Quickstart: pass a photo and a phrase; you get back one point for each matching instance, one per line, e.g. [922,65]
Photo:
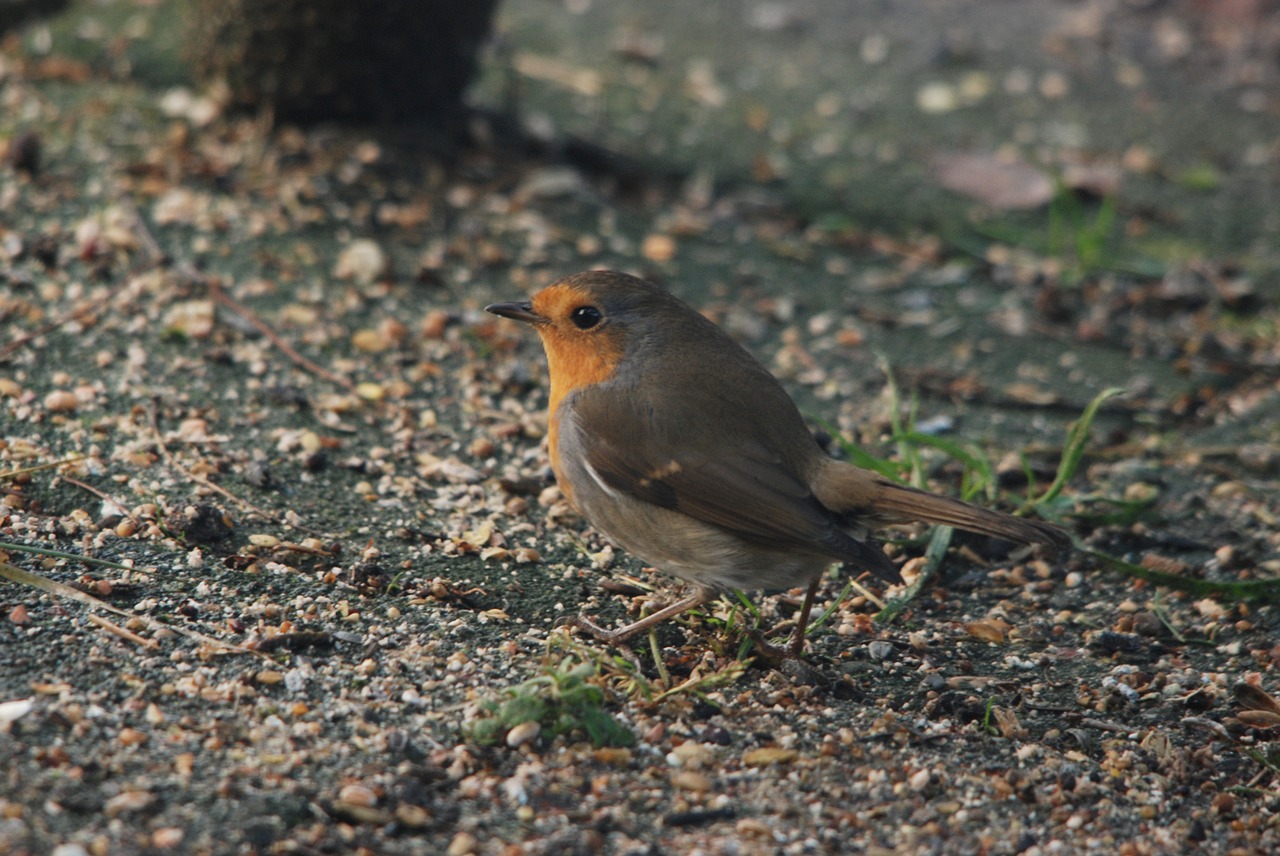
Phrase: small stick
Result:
[219,294]
[1104,725]
[291,547]
[198,479]
[20,342]
[18,575]
[102,495]
[8,474]
[123,633]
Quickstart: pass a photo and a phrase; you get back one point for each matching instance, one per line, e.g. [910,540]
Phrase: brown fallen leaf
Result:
[999,180]
[1259,718]
[1026,393]
[988,630]
[1008,723]
[1252,698]
[1097,179]
[767,755]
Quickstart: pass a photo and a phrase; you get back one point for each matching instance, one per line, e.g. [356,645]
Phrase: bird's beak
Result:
[516,311]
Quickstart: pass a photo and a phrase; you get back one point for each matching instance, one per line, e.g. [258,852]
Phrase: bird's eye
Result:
[585,317]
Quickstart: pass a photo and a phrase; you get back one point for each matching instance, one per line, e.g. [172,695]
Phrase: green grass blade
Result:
[1258,591]
[977,464]
[829,611]
[933,554]
[1073,451]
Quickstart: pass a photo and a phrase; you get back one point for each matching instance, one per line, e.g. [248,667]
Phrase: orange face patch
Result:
[575,357]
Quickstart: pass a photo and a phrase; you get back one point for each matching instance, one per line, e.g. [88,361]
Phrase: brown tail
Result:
[849,489]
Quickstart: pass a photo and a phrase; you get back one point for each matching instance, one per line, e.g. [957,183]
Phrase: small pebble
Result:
[525,732]
[166,837]
[69,850]
[1225,490]
[879,649]
[358,794]
[1141,493]
[463,844]
[193,319]
[937,97]
[361,261]
[433,324]
[691,755]
[413,816]
[370,391]
[768,755]
[369,341]
[128,801]
[658,248]
[61,401]
[690,780]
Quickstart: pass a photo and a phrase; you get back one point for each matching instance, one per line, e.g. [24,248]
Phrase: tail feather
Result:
[901,504]
[873,499]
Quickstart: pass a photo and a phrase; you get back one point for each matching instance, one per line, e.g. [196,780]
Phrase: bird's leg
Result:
[802,621]
[775,656]
[622,634]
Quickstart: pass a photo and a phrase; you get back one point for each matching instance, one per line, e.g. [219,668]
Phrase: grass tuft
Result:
[565,698]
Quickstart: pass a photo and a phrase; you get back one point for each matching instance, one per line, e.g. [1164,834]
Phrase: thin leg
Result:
[802,621]
[622,634]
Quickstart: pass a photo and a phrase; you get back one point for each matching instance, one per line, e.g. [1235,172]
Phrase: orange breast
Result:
[574,361]
[553,451]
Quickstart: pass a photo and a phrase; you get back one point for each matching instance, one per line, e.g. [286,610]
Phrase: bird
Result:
[674,442]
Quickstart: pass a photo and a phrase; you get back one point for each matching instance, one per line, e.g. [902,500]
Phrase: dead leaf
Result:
[1252,698]
[1097,179]
[1008,723]
[767,755]
[988,630]
[1259,718]
[1001,181]
[1027,393]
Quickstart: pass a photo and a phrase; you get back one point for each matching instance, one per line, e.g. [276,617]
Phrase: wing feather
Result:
[743,484]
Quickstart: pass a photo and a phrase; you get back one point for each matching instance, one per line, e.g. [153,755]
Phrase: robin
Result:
[675,443]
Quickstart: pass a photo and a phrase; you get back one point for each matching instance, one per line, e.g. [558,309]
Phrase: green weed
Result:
[1078,236]
[988,716]
[977,476]
[1081,237]
[565,698]
[625,676]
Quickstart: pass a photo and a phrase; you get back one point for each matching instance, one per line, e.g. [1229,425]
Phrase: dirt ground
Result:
[313,564]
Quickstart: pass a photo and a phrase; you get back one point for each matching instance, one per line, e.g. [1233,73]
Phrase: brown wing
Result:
[730,477]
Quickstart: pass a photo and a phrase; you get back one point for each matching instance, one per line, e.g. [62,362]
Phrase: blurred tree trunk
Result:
[14,12]
[353,60]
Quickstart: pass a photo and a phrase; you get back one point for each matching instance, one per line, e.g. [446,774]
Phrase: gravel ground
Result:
[246,376]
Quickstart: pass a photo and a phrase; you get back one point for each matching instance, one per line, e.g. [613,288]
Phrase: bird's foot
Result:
[775,655]
[608,637]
